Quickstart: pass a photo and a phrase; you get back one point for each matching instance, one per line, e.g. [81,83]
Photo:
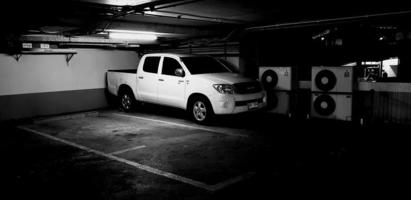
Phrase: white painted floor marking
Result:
[127,150]
[122,160]
[231,181]
[65,117]
[149,169]
[182,125]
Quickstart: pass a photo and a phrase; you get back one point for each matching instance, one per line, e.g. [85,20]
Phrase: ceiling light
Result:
[132,36]
[130,31]
[123,2]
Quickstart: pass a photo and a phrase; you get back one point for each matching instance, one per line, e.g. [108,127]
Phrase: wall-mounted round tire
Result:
[269,79]
[324,105]
[325,80]
[127,101]
[200,110]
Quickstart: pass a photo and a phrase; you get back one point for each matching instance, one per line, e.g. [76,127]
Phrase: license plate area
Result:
[252,105]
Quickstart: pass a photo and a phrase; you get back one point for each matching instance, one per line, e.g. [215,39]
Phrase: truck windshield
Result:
[204,65]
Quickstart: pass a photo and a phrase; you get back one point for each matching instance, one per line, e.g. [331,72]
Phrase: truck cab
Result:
[202,85]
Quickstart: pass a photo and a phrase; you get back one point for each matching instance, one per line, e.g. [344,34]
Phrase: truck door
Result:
[147,79]
[172,86]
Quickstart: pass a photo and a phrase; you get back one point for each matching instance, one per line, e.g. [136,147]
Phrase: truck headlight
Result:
[224,88]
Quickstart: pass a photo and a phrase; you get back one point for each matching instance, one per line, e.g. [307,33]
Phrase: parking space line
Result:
[111,156]
[182,125]
[122,160]
[231,181]
[64,117]
[127,150]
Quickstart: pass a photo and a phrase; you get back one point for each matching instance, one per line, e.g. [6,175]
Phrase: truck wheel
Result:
[127,102]
[201,110]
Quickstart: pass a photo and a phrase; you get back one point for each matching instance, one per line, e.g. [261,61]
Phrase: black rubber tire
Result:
[196,103]
[332,80]
[330,105]
[127,102]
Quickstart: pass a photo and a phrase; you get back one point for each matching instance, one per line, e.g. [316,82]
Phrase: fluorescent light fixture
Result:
[130,31]
[132,36]
[158,34]
[133,45]
[121,2]
[128,2]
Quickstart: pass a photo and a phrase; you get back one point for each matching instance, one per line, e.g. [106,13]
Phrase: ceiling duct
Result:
[310,23]
[79,40]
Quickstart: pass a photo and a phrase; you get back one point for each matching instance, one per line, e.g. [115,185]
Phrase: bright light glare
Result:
[130,31]
[123,2]
[132,36]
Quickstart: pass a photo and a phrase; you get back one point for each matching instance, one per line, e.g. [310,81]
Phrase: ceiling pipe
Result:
[186,16]
[88,45]
[127,10]
[323,21]
[77,39]
[177,4]
[165,30]
[155,11]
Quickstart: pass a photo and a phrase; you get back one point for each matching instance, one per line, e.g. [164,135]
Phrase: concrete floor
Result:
[156,153]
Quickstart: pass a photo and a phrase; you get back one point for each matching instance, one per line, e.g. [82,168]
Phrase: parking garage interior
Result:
[336,76]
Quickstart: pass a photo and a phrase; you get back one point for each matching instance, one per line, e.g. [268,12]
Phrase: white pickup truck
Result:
[202,85]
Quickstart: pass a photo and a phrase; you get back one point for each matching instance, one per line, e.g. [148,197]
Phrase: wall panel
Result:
[45,84]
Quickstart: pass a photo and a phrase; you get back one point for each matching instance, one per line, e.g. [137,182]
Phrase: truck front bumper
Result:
[238,103]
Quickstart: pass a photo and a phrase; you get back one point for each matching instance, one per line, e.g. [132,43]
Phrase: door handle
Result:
[141,77]
[180,81]
[161,79]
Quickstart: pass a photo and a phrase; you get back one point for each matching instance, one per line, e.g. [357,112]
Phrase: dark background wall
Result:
[303,48]
[278,48]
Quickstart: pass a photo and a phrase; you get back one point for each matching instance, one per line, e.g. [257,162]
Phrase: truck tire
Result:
[200,110]
[127,101]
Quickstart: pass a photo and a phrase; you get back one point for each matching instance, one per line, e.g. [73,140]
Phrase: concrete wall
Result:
[45,84]
[233,62]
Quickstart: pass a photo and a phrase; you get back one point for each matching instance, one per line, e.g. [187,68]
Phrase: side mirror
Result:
[179,72]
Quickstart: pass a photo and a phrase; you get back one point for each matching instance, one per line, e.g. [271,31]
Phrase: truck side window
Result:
[151,64]
[169,66]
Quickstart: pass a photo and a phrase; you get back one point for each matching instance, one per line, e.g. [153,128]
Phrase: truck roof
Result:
[171,54]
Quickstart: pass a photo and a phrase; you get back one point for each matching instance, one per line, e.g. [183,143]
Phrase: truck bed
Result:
[131,71]
[116,78]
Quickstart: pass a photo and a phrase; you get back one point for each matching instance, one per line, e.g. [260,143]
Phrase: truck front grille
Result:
[244,103]
[247,87]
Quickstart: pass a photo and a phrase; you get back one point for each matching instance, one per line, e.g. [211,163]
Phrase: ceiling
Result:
[180,20]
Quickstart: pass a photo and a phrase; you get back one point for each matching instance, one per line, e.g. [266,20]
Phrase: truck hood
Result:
[224,78]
